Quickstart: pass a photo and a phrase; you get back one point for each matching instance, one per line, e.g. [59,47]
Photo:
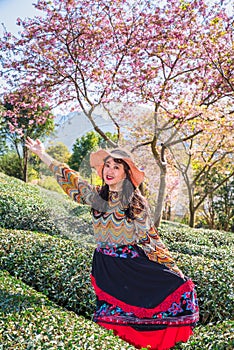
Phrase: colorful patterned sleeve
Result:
[151,243]
[69,180]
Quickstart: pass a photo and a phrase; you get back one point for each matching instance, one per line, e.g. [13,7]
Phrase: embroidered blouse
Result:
[114,227]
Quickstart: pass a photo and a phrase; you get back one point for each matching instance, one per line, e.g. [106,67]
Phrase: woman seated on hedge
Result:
[141,293]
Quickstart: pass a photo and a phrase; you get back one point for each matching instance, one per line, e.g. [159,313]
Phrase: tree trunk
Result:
[191,216]
[161,196]
[192,209]
[25,165]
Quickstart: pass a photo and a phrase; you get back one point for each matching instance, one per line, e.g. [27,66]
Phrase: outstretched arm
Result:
[69,180]
[37,147]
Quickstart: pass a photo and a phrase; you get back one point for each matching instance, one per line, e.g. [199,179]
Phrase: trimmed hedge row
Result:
[30,207]
[202,250]
[60,269]
[57,267]
[29,320]
[175,232]
[219,336]
[214,284]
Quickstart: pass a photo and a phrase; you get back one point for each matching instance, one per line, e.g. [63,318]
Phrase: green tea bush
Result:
[29,207]
[174,232]
[214,285]
[57,267]
[219,336]
[202,250]
[60,269]
[207,256]
[22,207]
[29,320]
[50,183]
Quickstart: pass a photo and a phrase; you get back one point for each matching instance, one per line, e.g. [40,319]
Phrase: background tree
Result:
[56,150]
[20,120]
[3,145]
[182,81]
[73,53]
[59,151]
[10,164]
[211,152]
[218,208]
[81,149]
[217,46]
[87,53]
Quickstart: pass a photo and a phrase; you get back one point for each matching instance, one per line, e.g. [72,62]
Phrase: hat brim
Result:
[97,161]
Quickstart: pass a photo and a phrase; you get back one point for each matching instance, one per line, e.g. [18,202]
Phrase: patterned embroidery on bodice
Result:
[113,226]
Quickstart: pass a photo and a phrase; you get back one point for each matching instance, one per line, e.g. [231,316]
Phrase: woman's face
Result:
[113,174]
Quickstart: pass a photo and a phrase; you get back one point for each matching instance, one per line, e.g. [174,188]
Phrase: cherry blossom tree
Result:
[24,116]
[182,80]
[83,54]
[210,152]
[73,53]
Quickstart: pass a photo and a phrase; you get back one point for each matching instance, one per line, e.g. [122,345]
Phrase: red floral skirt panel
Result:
[144,302]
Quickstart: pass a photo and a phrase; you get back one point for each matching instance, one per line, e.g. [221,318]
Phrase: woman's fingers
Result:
[29,142]
[32,144]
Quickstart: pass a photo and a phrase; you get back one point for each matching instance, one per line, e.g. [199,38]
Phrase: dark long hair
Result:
[131,199]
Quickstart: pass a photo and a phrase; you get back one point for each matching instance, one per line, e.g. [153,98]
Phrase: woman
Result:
[141,293]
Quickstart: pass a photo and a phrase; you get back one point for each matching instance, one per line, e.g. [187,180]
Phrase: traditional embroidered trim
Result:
[140,311]
[179,321]
[122,251]
[111,314]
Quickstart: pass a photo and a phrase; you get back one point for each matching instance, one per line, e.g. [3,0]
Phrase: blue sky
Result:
[10,10]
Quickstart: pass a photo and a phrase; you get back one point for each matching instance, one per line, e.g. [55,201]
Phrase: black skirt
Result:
[144,302]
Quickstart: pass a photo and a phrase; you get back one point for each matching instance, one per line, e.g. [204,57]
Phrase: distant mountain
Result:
[76,124]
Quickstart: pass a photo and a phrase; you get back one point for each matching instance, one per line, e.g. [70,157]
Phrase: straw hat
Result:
[97,162]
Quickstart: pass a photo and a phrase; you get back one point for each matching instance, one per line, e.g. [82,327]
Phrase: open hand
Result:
[35,146]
